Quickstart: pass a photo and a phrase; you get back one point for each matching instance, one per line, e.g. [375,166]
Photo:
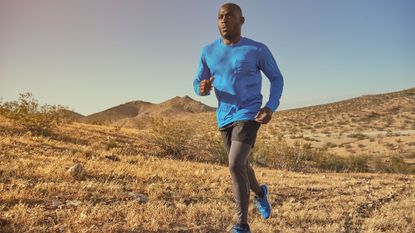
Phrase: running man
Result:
[232,65]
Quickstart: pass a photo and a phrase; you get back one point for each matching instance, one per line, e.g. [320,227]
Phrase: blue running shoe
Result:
[238,228]
[263,203]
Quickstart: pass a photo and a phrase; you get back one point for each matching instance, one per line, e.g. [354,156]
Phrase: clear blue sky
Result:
[95,54]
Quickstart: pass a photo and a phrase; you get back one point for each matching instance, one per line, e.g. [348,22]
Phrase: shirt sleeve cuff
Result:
[271,106]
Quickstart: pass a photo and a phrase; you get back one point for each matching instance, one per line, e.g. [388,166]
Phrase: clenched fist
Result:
[206,85]
[264,115]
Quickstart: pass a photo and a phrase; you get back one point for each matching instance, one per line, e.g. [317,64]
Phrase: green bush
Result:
[27,113]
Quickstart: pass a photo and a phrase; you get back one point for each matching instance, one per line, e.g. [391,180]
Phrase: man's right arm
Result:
[203,73]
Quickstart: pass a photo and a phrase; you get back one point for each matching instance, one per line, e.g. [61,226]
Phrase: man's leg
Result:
[253,182]
[238,156]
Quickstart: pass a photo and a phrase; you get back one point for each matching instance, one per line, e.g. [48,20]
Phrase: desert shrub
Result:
[411,155]
[27,113]
[362,163]
[179,139]
[395,164]
[331,162]
[410,143]
[110,143]
[172,137]
[357,163]
[358,136]
[361,145]
[330,145]
[281,155]
[214,147]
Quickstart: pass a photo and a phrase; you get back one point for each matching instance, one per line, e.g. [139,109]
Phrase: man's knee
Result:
[237,166]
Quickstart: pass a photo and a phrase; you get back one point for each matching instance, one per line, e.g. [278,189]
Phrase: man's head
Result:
[230,21]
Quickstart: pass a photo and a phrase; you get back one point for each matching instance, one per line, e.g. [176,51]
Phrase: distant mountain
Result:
[127,110]
[175,107]
[136,113]
[179,105]
[71,115]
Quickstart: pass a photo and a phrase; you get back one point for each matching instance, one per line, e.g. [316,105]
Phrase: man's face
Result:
[230,22]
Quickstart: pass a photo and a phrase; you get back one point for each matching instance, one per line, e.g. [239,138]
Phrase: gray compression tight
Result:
[243,178]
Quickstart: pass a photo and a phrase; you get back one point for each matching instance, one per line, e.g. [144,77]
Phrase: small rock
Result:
[76,171]
[141,198]
[56,203]
[73,203]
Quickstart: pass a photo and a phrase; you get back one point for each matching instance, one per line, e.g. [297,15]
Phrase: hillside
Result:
[377,125]
[72,115]
[135,114]
[369,112]
[177,107]
[127,110]
[380,124]
[125,189]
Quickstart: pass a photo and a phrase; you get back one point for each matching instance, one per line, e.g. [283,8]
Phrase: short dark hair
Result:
[232,5]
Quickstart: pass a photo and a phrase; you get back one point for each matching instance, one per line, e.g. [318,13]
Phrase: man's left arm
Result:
[269,66]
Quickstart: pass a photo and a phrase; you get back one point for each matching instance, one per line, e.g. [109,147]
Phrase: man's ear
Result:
[242,20]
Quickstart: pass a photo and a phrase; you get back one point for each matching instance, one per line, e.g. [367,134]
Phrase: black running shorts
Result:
[242,130]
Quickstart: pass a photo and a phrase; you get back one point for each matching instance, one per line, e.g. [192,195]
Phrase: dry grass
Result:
[37,194]
[299,147]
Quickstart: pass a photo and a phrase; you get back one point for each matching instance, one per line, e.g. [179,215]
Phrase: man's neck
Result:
[232,41]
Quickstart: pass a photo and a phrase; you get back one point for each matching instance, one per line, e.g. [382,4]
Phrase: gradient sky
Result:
[94,54]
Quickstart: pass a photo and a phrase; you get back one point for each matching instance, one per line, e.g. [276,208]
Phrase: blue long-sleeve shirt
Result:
[238,79]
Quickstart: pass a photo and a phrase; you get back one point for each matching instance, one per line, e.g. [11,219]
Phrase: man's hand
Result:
[264,115]
[206,85]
